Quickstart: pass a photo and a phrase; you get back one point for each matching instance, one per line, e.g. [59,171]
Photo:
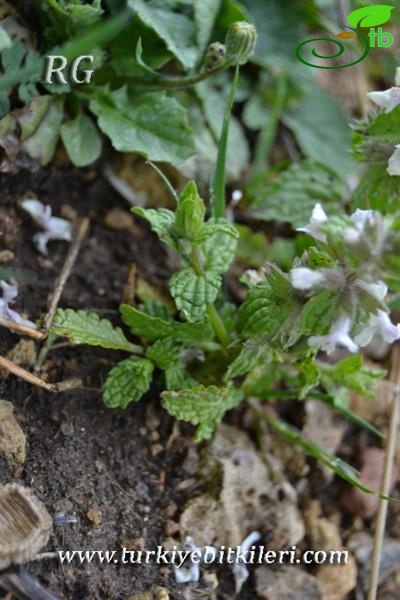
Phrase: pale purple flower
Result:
[361,217]
[379,323]
[387,99]
[54,227]
[10,292]
[338,336]
[318,216]
[393,167]
[240,570]
[303,278]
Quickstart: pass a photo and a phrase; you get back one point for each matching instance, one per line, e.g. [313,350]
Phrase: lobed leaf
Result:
[201,406]
[127,382]
[88,328]
[194,293]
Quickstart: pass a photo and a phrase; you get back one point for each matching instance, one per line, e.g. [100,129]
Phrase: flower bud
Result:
[240,42]
[215,56]
[189,215]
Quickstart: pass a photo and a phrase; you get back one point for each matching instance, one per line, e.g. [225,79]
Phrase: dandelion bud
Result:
[240,42]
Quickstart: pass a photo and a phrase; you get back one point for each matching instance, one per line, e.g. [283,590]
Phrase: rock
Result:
[24,353]
[357,502]
[95,516]
[337,581]
[325,428]
[289,582]
[323,534]
[12,438]
[157,593]
[25,525]
[244,493]
[361,545]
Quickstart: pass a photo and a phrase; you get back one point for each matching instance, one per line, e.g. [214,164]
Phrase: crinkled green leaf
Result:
[267,307]
[219,251]
[202,406]
[127,382]
[164,353]
[194,293]
[177,377]
[249,357]
[212,227]
[88,328]
[384,128]
[82,140]
[162,222]
[309,375]
[154,328]
[376,190]
[293,195]
[175,29]
[319,313]
[350,373]
[150,124]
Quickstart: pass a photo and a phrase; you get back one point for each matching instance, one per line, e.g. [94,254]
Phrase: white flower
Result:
[388,99]
[240,570]
[237,195]
[190,570]
[54,227]
[253,276]
[379,323]
[338,336]
[376,290]
[10,292]
[393,167]
[318,216]
[303,278]
[361,217]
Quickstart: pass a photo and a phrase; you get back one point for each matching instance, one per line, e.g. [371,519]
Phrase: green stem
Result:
[218,195]
[268,134]
[162,82]
[215,318]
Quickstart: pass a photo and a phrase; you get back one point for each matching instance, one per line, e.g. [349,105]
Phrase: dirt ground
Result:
[125,475]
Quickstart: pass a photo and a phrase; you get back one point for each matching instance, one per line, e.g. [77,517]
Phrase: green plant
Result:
[144,53]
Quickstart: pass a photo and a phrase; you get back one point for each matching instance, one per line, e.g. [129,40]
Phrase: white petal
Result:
[361,217]
[393,167]
[376,290]
[60,229]
[14,316]
[38,211]
[337,336]
[381,99]
[318,214]
[40,240]
[303,278]
[10,291]
[388,330]
[364,337]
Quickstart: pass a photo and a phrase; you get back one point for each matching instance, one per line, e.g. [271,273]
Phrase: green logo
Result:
[368,16]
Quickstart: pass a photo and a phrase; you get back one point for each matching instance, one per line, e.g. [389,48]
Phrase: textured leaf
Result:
[350,373]
[249,358]
[178,378]
[384,128]
[161,221]
[293,195]
[151,124]
[81,140]
[377,190]
[267,307]
[194,293]
[164,353]
[154,328]
[212,227]
[175,29]
[202,406]
[319,313]
[219,251]
[127,382]
[370,16]
[88,328]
